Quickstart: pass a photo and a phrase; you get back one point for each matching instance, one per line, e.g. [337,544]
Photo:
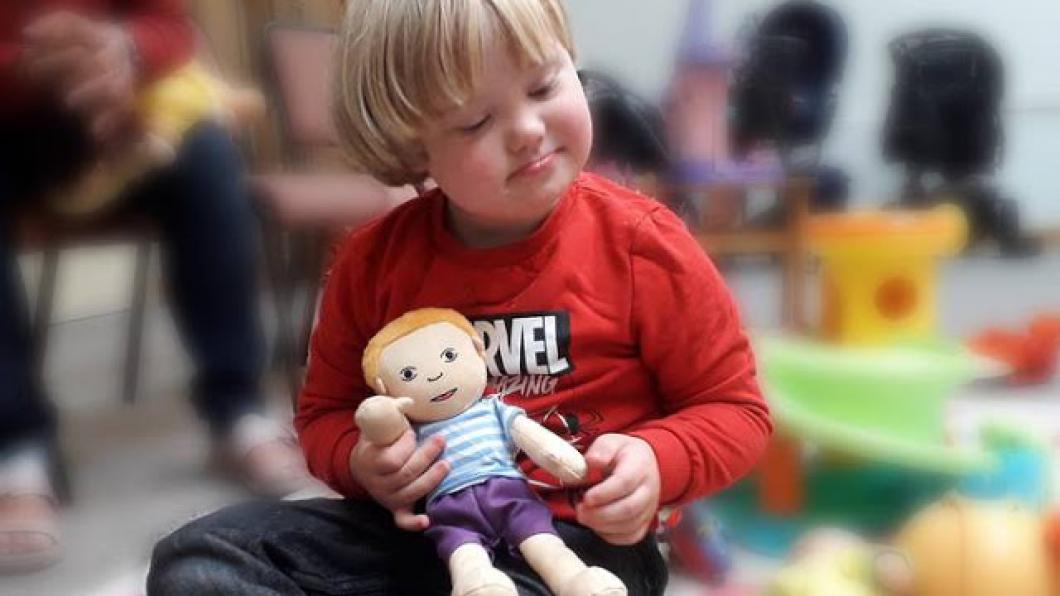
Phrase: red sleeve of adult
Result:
[162,33]
[715,424]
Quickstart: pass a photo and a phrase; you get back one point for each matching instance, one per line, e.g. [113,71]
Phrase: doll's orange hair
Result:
[402,326]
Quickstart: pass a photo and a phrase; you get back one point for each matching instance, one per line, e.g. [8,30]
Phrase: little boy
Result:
[601,317]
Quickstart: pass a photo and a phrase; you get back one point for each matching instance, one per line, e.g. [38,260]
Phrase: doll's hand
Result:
[399,474]
[621,508]
[382,419]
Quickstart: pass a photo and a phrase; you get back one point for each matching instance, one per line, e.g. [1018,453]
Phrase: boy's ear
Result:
[480,346]
[380,386]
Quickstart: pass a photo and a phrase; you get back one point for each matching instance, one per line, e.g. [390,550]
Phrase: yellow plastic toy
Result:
[167,110]
[879,272]
[960,547]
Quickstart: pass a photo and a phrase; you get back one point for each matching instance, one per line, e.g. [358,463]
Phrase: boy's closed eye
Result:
[544,90]
[476,126]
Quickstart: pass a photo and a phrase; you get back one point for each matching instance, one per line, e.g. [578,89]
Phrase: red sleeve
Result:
[162,34]
[334,384]
[716,423]
[8,59]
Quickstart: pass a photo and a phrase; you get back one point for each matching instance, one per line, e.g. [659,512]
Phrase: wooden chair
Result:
[720,233]
[313,199]
[38,232]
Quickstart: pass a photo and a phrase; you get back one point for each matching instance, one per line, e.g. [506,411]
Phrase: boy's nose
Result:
[433,379]
[526,134]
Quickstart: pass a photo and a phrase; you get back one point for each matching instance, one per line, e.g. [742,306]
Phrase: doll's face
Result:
[439,367]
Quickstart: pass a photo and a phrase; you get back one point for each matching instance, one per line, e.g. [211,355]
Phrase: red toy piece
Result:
[1031,354]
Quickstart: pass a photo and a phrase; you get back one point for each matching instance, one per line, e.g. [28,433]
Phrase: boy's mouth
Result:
[535,166]
[445,395]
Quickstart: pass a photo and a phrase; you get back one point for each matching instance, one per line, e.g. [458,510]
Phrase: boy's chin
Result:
[546,191]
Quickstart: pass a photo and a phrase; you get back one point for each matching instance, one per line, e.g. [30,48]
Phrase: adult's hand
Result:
[90,64]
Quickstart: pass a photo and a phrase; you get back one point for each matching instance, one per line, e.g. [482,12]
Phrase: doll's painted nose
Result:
[433,379]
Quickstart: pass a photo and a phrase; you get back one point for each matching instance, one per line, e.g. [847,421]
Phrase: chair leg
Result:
[794,261]
[45,302]
[282,295]
[314,270]
[137,315]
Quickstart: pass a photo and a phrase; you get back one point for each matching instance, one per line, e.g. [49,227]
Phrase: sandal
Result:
[29,525]
[265,457]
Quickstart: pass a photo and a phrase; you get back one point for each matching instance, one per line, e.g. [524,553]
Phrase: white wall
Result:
[635,39]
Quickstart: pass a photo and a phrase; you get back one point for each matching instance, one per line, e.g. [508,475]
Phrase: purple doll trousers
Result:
[498,510]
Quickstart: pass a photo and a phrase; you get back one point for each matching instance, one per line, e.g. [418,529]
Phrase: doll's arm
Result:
[549,451]
[381,419]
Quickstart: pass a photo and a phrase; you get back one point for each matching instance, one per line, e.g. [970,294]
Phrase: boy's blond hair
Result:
[402,326]
[401,62]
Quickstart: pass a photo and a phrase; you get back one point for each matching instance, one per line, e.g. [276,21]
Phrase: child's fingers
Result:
[619,515]
[424,484]
[602,452]
[623,480]
[405,519]
[417,463]
[393,457]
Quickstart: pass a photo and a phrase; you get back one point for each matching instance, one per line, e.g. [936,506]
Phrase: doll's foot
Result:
[483,581]
[594,581]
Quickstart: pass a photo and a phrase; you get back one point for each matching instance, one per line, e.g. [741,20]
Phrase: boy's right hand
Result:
[399,474]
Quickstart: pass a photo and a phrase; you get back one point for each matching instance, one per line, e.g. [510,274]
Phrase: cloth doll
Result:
[429,368]
[165,110]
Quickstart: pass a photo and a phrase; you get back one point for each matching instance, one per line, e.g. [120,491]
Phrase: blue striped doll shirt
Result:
[478,444]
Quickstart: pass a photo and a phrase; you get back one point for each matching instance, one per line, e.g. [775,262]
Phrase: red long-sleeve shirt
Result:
[609,318]
[160,31]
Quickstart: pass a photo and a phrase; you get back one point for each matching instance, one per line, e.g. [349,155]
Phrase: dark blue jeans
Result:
[209,242]
[323,546]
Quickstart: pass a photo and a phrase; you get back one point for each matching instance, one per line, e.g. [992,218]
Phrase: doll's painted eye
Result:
[408,373]
[449,354]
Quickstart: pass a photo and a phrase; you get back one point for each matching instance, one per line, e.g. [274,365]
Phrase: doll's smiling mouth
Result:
[445,395]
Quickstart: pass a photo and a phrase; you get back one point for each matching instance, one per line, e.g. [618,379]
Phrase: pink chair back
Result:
[300,63]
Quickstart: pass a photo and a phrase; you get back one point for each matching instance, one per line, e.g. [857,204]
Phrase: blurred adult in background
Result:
[69,71]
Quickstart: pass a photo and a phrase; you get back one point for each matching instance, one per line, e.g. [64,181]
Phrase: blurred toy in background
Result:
[945,120]
[695,106]
[835,562]
[960,547]
[879,272]
[1022,472]
[785,88]
[629,138]
[698,543]
[1031,354]
[167,109]
[784,96]
[707,182]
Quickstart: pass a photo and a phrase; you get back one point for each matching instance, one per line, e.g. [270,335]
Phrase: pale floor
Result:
[140,472]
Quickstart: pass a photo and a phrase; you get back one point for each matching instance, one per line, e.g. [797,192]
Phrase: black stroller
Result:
[944,123]
[784,93]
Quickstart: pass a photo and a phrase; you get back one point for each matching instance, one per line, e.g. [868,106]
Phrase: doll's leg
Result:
[473,573]
[459,531]
[526,522]
[564,572]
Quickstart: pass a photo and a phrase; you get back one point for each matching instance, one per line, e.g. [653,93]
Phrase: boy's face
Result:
[439,367]
[505,157]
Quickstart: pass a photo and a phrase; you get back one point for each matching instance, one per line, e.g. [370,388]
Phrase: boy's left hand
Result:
[622,507]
